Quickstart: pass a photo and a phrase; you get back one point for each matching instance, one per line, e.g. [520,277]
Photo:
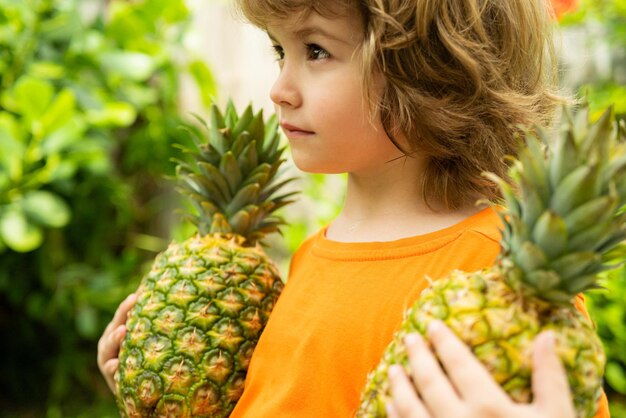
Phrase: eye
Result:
[279,52]
[316,52]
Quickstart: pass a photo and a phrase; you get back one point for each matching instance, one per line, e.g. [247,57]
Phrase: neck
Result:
[387,204]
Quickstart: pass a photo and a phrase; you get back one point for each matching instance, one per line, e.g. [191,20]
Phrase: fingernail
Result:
[549,339]
[394,371]
[411,340]
[434,327]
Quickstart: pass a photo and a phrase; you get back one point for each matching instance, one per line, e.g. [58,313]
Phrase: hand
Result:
[109,344]
[468,390]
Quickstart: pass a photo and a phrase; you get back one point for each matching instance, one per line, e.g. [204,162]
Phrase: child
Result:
[414,99]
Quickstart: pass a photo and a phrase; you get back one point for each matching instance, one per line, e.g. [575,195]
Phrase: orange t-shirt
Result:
[338,312]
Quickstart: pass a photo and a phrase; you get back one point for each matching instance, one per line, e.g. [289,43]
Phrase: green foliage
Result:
[319,203]
[609,17]
[323,195]
[609,313]
[607,308]
[88,116]
[611,13]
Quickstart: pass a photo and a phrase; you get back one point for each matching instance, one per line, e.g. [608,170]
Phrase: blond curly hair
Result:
[462,78]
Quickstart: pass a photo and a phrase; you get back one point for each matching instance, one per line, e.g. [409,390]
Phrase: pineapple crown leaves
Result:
[233,175]
[565,214]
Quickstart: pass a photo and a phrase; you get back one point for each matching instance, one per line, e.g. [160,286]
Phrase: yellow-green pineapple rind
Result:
[194,327]
[564,223]
[201,309]
[499,327]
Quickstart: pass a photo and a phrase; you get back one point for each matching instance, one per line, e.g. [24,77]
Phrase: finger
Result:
[119,317]
[110,346]
[551,390]
[122,311]
[405,402]
[433,385]
[108,370]
[468,375]
[391,411]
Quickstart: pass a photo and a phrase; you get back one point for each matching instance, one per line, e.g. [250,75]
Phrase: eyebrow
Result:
[313,30]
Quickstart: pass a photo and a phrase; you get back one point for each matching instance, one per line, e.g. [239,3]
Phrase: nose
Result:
[285,92]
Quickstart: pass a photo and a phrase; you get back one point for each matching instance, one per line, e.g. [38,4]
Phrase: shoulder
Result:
[478,243]
[485,226]
[303,250]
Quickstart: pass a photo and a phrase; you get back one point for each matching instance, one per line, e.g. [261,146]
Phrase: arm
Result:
[468,390]
[109,343]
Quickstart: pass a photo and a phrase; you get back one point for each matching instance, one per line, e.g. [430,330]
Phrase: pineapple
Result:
[202,307]
[562,227]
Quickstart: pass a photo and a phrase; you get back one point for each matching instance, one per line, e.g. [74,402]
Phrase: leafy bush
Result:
[606,19]
[609,313]
[88,114]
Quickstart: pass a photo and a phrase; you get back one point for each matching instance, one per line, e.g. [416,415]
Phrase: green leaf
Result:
[59,112]
[550,234]
[64,136]
[140,96]
[602,95]
[530,257]
[11,152]
[589,213]
[33,96]
[247,195]
[46,209]
[18,234]
[118,114]
[563,159]
[216,177]
[12,126]
[65,170]
[87,321]
[133,65]
[243,123]
[205,81]
[62,26]
[533,166]
[576,188]
[616,376]
[510,199]
[91,43]
[231,171]
[46,70]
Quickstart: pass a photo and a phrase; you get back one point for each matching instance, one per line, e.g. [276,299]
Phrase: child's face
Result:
[319,97]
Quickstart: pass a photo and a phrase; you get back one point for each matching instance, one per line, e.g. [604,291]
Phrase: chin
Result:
[315,167]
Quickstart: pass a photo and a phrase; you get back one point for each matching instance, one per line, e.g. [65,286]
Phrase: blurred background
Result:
[91,96]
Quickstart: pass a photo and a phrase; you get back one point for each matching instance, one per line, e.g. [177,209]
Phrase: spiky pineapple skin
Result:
[190,336]
[499,326]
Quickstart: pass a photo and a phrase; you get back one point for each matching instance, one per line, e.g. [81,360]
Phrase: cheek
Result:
[342,107]
[347,115]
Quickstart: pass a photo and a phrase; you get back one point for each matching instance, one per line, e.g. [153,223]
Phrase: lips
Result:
[293,130]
